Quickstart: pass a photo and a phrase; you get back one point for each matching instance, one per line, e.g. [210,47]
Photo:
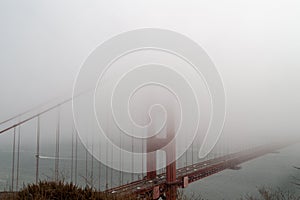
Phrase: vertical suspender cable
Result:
[18,159]
[57,145]
[132,160]
[72,155]
[120,159]
[142,158]
[193,153]
[111,169]
[132,156]
[112,160]
[106,168]
[37,156]
[13,161]
[76,156]
[106,156]
[86,166]
[99,169]
[92,167]
[186,158]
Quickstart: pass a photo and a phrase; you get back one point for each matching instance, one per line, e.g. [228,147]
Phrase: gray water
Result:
[273,170]
[89,171]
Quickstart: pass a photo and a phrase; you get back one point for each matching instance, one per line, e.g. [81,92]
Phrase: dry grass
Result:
[270,194]
[46,190]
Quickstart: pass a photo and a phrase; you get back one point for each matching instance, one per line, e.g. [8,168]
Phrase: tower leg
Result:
[171,192]
[151,166]
[171,173]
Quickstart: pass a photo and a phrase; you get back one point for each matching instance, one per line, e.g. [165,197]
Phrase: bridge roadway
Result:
[194,172]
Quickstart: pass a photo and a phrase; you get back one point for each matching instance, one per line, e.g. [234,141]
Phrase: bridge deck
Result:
[196,171]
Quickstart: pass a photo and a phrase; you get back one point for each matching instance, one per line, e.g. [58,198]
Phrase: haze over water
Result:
[254,45]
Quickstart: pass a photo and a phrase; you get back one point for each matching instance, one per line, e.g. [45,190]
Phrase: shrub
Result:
[59,190]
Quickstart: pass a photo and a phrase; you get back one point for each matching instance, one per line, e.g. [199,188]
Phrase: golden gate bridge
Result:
[157,184]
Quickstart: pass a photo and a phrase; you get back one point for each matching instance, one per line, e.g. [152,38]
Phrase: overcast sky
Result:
[254,44]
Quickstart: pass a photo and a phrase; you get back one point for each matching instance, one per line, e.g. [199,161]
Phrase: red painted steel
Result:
[193,172]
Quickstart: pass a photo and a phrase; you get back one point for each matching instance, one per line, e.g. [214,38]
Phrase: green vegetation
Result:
[46,190]
[269,194]
[49,190]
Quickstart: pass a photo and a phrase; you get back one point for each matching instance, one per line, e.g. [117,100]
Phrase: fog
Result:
[255,46]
